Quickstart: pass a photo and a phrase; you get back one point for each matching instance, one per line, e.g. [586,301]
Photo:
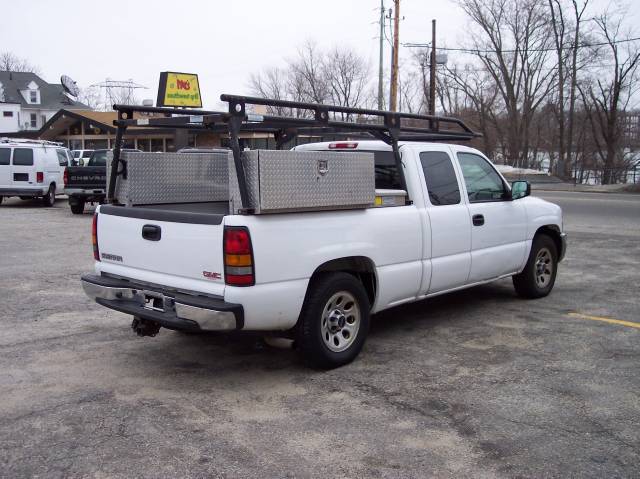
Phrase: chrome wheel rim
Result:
[543,268]
[340,321]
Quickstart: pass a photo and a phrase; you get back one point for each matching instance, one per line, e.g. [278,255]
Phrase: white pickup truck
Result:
[316,277]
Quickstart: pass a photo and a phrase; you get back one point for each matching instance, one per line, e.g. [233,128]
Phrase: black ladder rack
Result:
[390,127]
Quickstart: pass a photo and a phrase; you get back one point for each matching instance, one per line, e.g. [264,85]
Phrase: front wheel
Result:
[539,275]
[50,198]
[334,321]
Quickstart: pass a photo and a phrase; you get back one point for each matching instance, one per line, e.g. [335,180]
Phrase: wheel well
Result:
[359,266]
[553,232]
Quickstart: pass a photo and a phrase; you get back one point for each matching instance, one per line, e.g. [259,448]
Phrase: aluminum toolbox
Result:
[286,181]
[156,178]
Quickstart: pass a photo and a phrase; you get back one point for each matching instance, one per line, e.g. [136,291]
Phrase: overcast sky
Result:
[221,41]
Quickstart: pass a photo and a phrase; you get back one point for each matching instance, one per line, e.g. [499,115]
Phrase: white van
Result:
[32,168]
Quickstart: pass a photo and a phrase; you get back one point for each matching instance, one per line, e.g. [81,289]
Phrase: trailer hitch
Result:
[144,327]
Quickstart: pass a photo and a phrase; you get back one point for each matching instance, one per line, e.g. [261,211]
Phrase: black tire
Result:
[1,198]
[49,199]
[313,335]
[536,280]
[77,208]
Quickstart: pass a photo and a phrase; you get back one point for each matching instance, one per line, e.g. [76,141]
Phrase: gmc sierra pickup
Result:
[316,277]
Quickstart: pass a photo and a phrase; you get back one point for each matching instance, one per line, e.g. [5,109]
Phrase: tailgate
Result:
[87,177]
[168,248]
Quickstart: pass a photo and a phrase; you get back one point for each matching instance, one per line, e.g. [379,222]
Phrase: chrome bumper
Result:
[171,310]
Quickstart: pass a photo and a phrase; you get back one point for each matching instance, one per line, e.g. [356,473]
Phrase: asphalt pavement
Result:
[479,383]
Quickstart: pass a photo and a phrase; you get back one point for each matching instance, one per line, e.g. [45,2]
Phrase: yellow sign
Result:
[179,89]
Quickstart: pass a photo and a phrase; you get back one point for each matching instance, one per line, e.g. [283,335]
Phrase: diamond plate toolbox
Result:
[156,178]
[286,181]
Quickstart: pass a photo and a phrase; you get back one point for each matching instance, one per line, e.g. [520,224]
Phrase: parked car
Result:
[81,157]
[87,184]
[32,169]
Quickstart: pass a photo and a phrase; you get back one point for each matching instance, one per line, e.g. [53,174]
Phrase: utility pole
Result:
[394,68]
[381,68]
[432,71]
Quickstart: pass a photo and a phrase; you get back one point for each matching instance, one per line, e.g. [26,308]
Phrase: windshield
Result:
[98,158]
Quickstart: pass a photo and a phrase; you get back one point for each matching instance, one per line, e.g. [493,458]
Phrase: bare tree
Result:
[91,97]
[607,96]
[578,12]
[347,75]
[512,45]
[12,63]
[308,72]
[479,93]
[271,83]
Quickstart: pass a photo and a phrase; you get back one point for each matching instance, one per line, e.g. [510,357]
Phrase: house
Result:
[27,102]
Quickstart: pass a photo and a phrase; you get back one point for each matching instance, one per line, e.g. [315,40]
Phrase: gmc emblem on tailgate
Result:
[211,275]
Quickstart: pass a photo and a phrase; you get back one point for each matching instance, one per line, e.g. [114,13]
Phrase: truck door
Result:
[499,225]
[449,220]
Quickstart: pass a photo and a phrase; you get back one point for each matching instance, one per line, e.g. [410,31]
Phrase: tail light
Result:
[94,238]
[238,257]
[343,145]
[39,177]
[65,177]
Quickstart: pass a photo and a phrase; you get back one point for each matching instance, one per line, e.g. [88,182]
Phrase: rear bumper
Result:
[170,309]
[563,246]
[22,191]
[84,192]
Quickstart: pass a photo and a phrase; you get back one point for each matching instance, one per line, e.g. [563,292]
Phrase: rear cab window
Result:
[62,157]
[387,177]
[5,156]
[99,158]
[440,177]
[22,157]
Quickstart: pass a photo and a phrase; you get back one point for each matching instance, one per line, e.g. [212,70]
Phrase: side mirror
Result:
[520,189]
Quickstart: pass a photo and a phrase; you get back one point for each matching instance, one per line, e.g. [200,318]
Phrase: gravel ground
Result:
[474,384]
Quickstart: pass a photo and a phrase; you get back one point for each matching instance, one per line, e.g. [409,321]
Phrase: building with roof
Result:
[27,102]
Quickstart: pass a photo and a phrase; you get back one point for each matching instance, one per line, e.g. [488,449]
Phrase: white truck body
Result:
[412,252]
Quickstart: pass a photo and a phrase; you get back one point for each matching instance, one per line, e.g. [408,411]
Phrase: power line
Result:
[477,50]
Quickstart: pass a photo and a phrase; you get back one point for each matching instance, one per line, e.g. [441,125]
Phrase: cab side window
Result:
[442,183]
[483,182]
[5,155]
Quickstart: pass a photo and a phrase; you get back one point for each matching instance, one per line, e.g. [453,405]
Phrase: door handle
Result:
[478,220]
[151,232]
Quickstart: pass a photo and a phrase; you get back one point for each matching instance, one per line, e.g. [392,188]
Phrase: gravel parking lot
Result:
[475,384]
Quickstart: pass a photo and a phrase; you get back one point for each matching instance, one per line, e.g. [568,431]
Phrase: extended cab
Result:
[317,276]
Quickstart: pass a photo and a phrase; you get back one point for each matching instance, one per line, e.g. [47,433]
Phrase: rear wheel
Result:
[539,275]
[77,208]
[50,198]
[334,321]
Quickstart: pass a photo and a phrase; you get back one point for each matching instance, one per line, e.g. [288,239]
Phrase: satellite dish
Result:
[69,86]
